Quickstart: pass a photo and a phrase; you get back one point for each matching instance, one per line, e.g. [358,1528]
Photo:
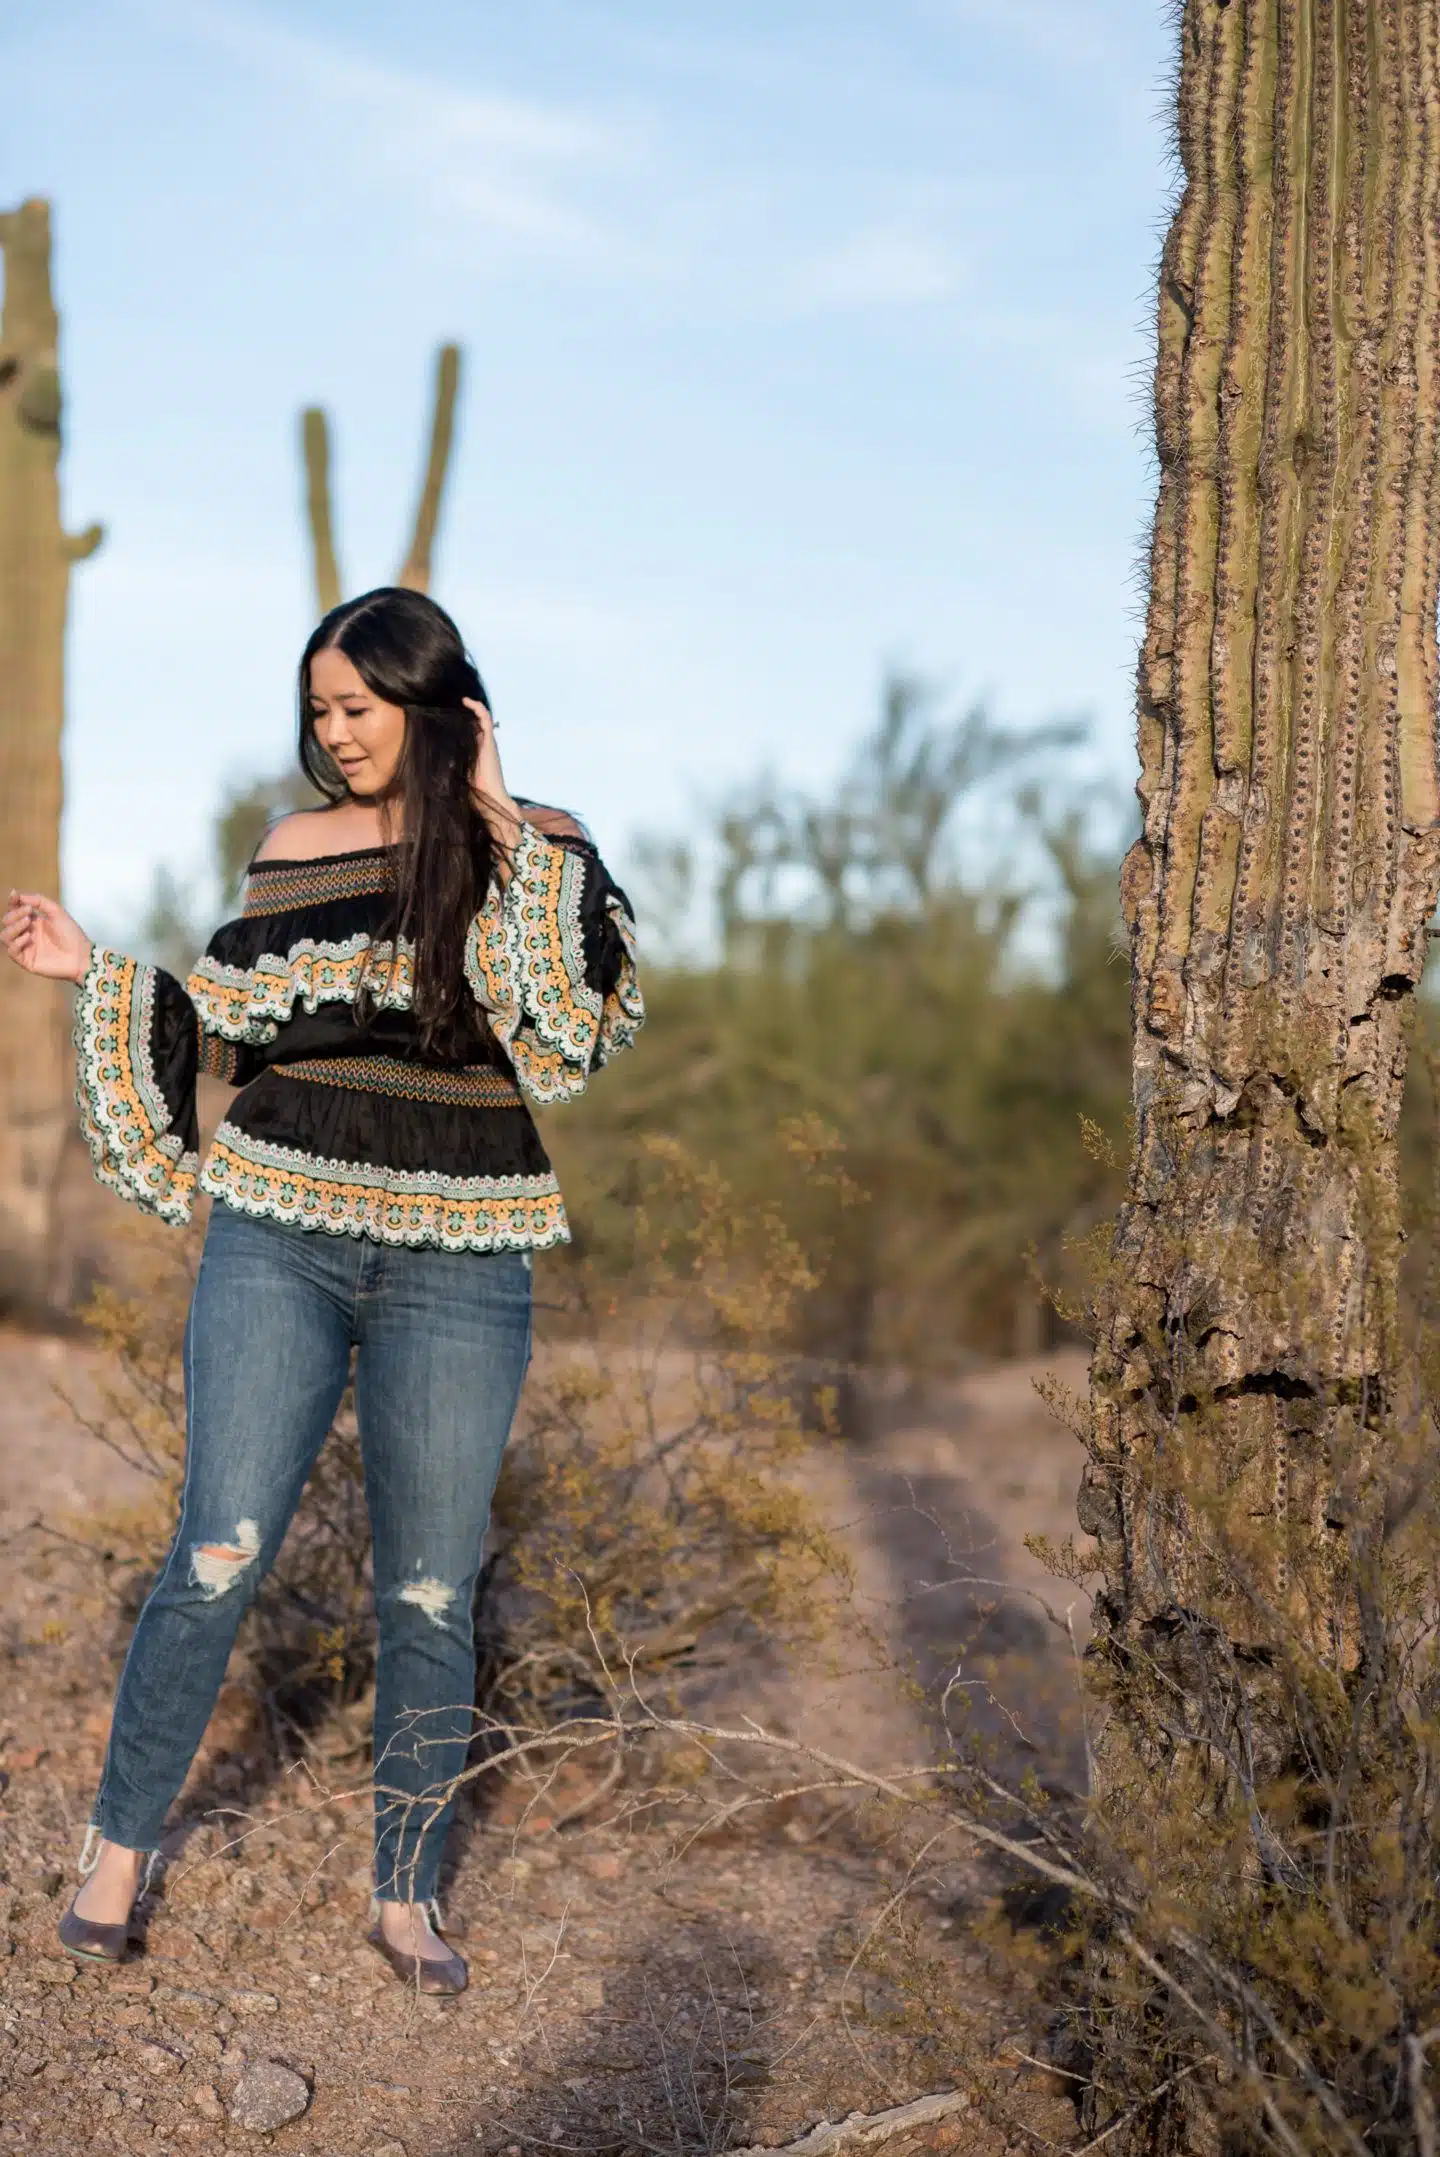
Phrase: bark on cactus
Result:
[414,573]
[36,553]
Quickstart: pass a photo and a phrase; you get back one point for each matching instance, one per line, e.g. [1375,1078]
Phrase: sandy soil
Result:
[621,1997]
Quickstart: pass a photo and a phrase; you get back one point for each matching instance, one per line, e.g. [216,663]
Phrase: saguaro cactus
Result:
[1279,895]
[35,557]
[1249,1394]
[414,572]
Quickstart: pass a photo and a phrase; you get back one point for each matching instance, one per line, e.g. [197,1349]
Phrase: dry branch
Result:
[867,2130]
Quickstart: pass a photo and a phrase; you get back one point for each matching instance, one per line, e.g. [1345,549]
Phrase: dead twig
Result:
[866,2130]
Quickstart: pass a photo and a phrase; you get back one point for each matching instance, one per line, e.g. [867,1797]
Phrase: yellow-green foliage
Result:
[951,1017]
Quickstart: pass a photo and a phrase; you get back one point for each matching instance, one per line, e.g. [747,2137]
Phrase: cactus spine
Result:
[36,554]
[415,571]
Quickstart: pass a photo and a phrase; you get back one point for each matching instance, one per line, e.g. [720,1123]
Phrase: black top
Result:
[350,1128]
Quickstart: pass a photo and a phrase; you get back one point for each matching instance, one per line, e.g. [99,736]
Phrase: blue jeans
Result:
[441,1341]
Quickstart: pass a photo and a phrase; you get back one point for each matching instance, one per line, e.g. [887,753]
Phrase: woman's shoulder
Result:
[306,835]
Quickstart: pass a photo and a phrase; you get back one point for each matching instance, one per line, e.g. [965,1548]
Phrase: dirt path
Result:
[622,1997]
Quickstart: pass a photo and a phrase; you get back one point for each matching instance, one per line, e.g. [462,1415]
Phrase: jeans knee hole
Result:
[216,1567]
[431,1596]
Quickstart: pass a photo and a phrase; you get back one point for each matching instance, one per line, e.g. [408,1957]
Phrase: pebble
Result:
[180,2000]
[266,2096]
[157,2059]
[50,1970]
[254,2003]
[388,2149]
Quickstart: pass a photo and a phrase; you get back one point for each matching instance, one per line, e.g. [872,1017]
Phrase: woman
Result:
[410,962]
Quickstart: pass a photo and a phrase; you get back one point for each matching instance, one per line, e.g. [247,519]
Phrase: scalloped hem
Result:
[342,1199]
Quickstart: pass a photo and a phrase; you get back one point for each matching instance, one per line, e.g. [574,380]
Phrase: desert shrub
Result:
[646,1525]
[925,958]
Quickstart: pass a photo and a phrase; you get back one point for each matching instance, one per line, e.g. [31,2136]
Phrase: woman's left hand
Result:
[487,781]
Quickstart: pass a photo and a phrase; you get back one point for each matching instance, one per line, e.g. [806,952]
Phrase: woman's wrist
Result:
[85,965]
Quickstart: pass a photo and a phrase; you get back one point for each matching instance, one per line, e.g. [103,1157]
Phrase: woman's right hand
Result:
[40,936]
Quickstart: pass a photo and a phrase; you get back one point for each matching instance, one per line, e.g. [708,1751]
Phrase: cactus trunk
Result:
[1249,1375]
[35,557]
[1279,895]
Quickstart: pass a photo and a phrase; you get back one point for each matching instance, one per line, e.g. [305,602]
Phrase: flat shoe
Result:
[447,1976]
[94,1943]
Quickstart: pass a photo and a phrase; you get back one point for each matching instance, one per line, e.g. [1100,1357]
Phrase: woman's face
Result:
[363,735]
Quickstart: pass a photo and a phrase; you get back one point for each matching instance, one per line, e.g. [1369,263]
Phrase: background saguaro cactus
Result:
[36,553]
[414,572]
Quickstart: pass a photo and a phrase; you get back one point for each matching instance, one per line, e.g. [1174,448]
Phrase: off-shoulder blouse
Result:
[347,1127]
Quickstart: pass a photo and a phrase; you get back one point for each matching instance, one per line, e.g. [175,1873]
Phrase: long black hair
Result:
[409,652]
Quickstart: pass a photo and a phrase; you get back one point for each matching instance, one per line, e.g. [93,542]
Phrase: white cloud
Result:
[879,266]
[515,166]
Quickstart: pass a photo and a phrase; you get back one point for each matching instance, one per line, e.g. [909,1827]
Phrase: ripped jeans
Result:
[441,1341]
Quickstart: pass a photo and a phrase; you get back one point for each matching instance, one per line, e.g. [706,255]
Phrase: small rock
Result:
[206,2102]
[266,2096]
[51,1970]
[254,2003]
[49,1880]
[603,1865]
[157,2059]
[181,2001]
[389,2149]
[589,1993]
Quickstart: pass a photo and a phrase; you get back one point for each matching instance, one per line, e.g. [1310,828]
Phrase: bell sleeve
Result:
[551,960]
[140,1047]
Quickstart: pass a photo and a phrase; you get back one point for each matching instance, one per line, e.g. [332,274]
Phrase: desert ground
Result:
[631,1989]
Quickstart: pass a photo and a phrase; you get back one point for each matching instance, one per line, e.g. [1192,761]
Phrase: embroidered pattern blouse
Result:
[346,1128]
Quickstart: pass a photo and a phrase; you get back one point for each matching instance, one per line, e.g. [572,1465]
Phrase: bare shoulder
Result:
[554,823]
[301,836]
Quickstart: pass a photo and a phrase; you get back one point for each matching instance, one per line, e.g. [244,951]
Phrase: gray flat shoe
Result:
[446,1977]
[92,1942]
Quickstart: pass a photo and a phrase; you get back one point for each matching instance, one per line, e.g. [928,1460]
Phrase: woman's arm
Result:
[140,1047]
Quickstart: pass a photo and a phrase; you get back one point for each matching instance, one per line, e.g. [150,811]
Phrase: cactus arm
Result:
[315,451]
[79,546]
[415,575]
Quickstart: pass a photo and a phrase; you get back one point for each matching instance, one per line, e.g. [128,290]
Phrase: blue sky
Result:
[801,338]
